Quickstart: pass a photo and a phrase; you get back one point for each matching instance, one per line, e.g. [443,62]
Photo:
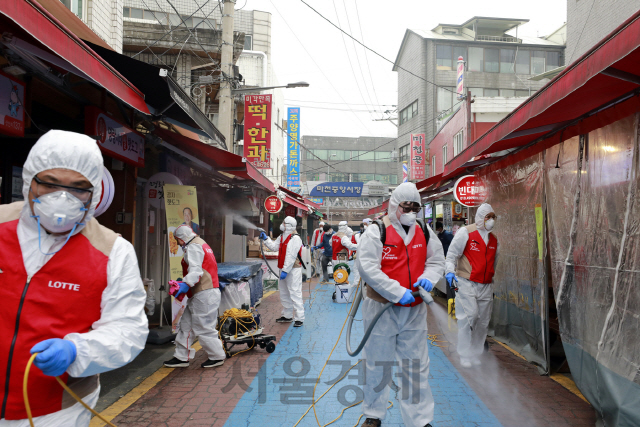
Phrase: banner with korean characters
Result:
[337,189]
[257,130]
[293,148]
[114,138]
[417,156]
[181,204]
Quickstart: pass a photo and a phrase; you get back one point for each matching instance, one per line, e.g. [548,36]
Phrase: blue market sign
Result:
[337,189]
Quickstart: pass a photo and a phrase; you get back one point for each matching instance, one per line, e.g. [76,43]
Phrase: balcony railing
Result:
[504,39]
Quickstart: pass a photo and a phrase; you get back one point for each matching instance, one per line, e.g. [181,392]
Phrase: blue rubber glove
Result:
[283,275]
[425,284]
[450,278]
[263,236]
[407,298]
[54,356]
[184,288]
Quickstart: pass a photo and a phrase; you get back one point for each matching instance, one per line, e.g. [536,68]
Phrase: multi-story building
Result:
[104,17]
[192,52]
[498,64]
[590,22]
[360,159]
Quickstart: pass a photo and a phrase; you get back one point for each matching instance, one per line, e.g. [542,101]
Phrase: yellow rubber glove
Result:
[451,307]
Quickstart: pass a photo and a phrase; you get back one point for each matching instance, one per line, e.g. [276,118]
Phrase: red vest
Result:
[481,257]
[404,263]
[336,246]
[317,237]
[282,252]
[63,297]
[209,264]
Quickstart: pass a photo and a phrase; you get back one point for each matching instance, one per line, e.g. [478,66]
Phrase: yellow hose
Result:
[25,394]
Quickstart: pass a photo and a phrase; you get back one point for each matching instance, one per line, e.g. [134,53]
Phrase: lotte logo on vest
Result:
[63,285]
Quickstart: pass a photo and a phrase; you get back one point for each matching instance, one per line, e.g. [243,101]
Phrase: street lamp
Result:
[259,89]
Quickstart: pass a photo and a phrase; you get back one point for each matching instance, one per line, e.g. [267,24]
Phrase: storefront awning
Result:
[578,100]
[166,99]
[218,159]
[28,20]
[296,203]
[380,208]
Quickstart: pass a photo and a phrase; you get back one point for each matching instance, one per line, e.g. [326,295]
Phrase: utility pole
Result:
[226,103]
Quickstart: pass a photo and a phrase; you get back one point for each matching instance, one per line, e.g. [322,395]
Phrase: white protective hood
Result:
[58,149]
[483,211]
[349,232]
[342,227]
[184,232]
[290,225]
[405,192]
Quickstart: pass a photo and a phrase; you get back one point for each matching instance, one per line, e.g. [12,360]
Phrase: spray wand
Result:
[261,230]
[455,289]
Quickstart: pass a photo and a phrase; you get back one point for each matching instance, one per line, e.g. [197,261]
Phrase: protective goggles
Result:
[413,207]
[42,188]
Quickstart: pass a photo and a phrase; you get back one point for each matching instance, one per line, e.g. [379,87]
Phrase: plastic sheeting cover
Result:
[594,238]
[519,308]
[236,271]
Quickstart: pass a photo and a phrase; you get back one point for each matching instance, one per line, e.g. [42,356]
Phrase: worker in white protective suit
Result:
[391,272]
[347,242]
[339,251]
[289,245]
[71,290]
[200,317]
[316,240]
[471,263]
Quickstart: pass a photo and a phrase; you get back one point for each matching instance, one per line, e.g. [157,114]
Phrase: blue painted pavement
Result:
[282,391]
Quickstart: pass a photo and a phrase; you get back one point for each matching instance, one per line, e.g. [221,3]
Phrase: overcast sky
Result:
[307,48]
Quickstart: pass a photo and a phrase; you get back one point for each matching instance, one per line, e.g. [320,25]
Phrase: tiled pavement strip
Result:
[504,391]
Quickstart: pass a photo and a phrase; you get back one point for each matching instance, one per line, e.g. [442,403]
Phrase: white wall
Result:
[104,17]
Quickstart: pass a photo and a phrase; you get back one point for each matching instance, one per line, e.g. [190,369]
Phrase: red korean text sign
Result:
[114,138]
[273,204]
[470,191]
[417,156]
[257,130]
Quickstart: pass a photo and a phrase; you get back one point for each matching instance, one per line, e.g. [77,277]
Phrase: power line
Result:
[316,64]
[337,109]
[345,103]
[368,48]
[366,57]
[355,48]
[344,43]
[386,143]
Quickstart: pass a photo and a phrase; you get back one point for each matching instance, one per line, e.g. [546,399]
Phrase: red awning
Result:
[28,19]
[429,182]
[313,205]
[294,202]
[577,101]
[219,159]
[380,208]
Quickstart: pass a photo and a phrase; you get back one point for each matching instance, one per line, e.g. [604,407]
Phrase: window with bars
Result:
[458,143]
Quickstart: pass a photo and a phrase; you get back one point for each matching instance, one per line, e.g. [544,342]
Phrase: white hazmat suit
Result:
[121,332]
[291,287]
[401,333]
[474,301]
[200,316]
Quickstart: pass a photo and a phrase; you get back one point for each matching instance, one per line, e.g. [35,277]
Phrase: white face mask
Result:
[489,224]
[408,219]
[58,212]
[282,227]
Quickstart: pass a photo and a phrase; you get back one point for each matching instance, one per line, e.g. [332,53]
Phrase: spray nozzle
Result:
[261,230]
